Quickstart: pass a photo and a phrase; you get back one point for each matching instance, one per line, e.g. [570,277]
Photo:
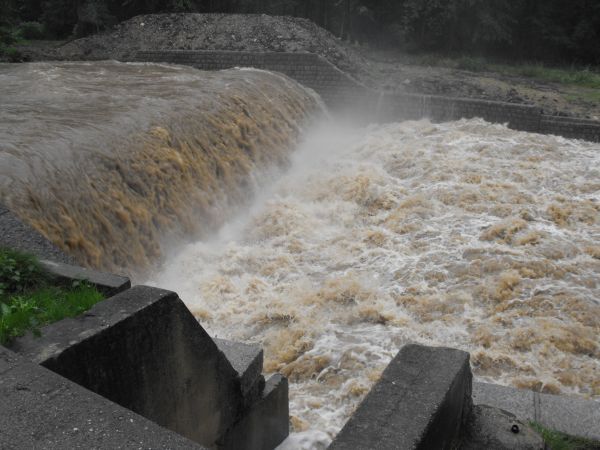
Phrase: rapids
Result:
[464,234]
[116,162]
[333,256]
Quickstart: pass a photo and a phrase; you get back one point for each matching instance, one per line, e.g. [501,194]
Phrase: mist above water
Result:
[464,234]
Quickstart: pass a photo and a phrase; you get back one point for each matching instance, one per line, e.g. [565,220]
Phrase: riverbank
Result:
[391,71]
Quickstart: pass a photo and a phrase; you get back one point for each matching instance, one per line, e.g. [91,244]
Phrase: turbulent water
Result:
[110,161]
[463,234]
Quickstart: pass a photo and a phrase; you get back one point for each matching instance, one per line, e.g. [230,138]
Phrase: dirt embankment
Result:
[254,32]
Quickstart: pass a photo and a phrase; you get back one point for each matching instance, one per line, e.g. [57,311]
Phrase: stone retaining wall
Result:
[344,94]
[309,69]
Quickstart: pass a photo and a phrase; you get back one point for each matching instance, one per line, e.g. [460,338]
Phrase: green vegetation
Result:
[19,272]
[588,96]
[556,440]
[28,300]
[576,76]
[573,76]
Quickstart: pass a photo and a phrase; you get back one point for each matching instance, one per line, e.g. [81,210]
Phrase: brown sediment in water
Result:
[414,232]
[177,167]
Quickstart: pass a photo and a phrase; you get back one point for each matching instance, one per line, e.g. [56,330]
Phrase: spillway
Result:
[464,234]
[113,162]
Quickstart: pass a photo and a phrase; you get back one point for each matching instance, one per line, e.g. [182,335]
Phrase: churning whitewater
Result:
[464,234]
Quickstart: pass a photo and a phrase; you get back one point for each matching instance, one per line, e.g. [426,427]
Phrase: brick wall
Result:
[343,94]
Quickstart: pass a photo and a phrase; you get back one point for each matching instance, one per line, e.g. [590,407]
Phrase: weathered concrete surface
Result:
[420,402]
[266,424]
[247,360]
[570,415]
[144,350]
[106,283]
[518,402]
[42,410]
[494,429]
[19,236]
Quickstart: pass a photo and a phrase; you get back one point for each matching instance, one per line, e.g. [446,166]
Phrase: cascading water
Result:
[463,234]
[109,159]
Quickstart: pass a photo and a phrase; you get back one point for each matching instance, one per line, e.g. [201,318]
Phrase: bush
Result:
[18,271]
[11,54]
[7,35]
[472,64]
[31,30]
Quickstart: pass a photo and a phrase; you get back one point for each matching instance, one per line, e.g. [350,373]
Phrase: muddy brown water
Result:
[465,234]
[110,160]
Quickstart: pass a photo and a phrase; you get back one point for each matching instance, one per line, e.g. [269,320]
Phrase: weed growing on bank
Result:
[576,76]
[28,300]
[556,440]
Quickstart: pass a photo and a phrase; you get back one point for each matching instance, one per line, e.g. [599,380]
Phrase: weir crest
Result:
[108,160]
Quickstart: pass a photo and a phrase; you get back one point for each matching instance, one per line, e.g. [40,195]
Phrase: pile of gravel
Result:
[237,32]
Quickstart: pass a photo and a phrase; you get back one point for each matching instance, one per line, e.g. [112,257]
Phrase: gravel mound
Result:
[259,32]
[237,32]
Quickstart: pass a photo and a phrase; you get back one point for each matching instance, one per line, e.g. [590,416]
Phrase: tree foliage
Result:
[554,30]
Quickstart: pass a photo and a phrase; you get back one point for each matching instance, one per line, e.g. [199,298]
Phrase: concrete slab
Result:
[518,402]
[106,283]
[17,235]
[40,409]
[421,401]
[570,415]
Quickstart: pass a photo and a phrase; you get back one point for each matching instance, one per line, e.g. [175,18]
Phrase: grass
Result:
[556,440]
[591,96]
[576,76]
[28,300]
[572,76]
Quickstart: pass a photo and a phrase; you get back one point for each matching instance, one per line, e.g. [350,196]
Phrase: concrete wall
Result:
[143,350]
[42,410]
[335,87]
[344,94]
[421,401]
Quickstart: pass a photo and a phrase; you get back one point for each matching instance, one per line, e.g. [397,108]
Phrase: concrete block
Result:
[519,402]
[106,283]
[144,350]
[40,409]
[247,360]
[266,424]
[421,401]
[17,235]
[570,415]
